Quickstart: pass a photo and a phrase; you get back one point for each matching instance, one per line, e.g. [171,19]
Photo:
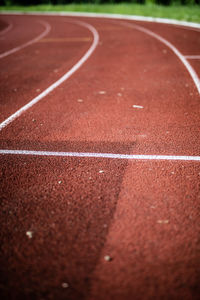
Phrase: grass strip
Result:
[180,12]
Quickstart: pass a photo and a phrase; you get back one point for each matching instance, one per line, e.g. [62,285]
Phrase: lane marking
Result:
[100,155]
[72,39]
[8,28]
[43,34]
[192,56]
[172,47]
[59,81]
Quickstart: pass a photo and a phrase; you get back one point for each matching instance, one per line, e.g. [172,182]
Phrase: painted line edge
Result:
[99,155]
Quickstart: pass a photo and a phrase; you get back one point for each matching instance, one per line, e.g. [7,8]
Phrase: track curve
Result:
[78,222]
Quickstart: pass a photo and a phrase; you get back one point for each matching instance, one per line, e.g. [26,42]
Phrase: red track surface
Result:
[59,216]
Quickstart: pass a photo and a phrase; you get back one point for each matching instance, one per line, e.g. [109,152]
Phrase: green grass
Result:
[188,13]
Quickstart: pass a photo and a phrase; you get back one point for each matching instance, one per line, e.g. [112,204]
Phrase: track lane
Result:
[67,207]
[154,237]
[39,76]
[36,39]
[170,103]
[22,32]
[178,36]
[182,58]
[67,75]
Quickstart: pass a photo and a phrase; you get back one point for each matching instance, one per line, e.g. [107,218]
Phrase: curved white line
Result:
[173,48]
[61,80]
[100,155]
[4,31]
[43,34]
[107,16]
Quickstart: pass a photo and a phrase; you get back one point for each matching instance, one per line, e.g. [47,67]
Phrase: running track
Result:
[84,214]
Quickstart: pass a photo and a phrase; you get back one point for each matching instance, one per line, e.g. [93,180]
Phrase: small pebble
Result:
[119,94]
[137,106]
[107,258]
[80,100]
[29,234]
[102,92]
[163,221]
[65,285]
[59,181]
[101,171]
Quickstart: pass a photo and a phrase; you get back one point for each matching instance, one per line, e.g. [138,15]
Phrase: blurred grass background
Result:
[188,10]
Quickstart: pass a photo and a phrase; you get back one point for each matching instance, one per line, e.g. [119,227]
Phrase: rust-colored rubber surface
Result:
[96,228]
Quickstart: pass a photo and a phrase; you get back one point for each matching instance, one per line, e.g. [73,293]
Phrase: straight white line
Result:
[100,155]
[61,80]
[8,28]
[192,56]
[172,47]
[43,34]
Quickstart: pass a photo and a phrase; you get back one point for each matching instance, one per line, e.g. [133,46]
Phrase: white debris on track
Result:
[80,100]
[29,234]
[102,92]
[101,171]
[137,106]
[107,258]
[65,285]
[163,221]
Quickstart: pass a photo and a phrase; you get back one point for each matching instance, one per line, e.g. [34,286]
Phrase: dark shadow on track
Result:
[68,205]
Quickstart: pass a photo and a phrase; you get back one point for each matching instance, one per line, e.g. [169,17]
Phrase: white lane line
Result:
[8,28]
[61,80]
[43,34]
[173,48]
[192,56]
[100,155]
